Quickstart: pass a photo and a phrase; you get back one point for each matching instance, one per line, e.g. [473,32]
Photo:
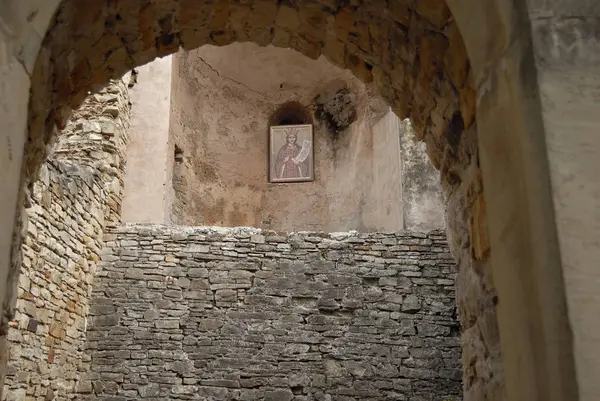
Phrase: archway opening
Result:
[431,86]
[111,134]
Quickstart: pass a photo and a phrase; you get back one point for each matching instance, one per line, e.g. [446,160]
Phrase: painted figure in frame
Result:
[292,162]
[288,164]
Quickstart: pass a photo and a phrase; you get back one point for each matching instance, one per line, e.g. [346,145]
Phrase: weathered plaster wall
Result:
[146,183]
[423,206]
[224,314]
[573,149]
[222,101]
[385,195]
[78,191]
[97,135]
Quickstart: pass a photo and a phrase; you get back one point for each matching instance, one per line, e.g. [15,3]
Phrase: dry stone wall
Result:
[243,314]
[96,136]
[77,192]
[60,251]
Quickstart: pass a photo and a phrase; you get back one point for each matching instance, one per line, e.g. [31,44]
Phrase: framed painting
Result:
[291,153]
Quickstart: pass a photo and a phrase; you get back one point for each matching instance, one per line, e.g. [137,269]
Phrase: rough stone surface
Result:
[337,108]
[466,227]
[244,314]
[60,252]
[527,264]
[97,136]
[412,51]
[77,193]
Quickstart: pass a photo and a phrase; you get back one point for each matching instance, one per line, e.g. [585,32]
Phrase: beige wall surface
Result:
[223,99]
[571,107]
[385,196]
[423,203]
[144,199]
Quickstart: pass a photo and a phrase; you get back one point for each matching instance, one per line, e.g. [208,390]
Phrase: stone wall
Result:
[78,191]
[224,314]
[97,136]
[60,251]
[84,47]
[476,298]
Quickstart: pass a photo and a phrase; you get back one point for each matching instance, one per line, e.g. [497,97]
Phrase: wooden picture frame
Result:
[291,150]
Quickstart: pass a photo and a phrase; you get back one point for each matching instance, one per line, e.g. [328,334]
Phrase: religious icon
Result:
[291,153]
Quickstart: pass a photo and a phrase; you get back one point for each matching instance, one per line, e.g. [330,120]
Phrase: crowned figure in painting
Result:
[292,159]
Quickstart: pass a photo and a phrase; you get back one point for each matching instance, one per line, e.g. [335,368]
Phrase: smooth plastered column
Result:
[144,198]
[534,326]
[566,39]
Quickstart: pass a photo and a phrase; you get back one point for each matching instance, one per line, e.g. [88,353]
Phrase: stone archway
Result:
[414,53]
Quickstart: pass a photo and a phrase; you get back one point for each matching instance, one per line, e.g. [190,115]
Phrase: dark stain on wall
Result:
[336,107]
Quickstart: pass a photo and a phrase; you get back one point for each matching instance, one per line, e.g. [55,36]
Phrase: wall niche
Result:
[291,150]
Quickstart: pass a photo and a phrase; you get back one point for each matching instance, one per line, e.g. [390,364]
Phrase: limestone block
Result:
[479,231]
